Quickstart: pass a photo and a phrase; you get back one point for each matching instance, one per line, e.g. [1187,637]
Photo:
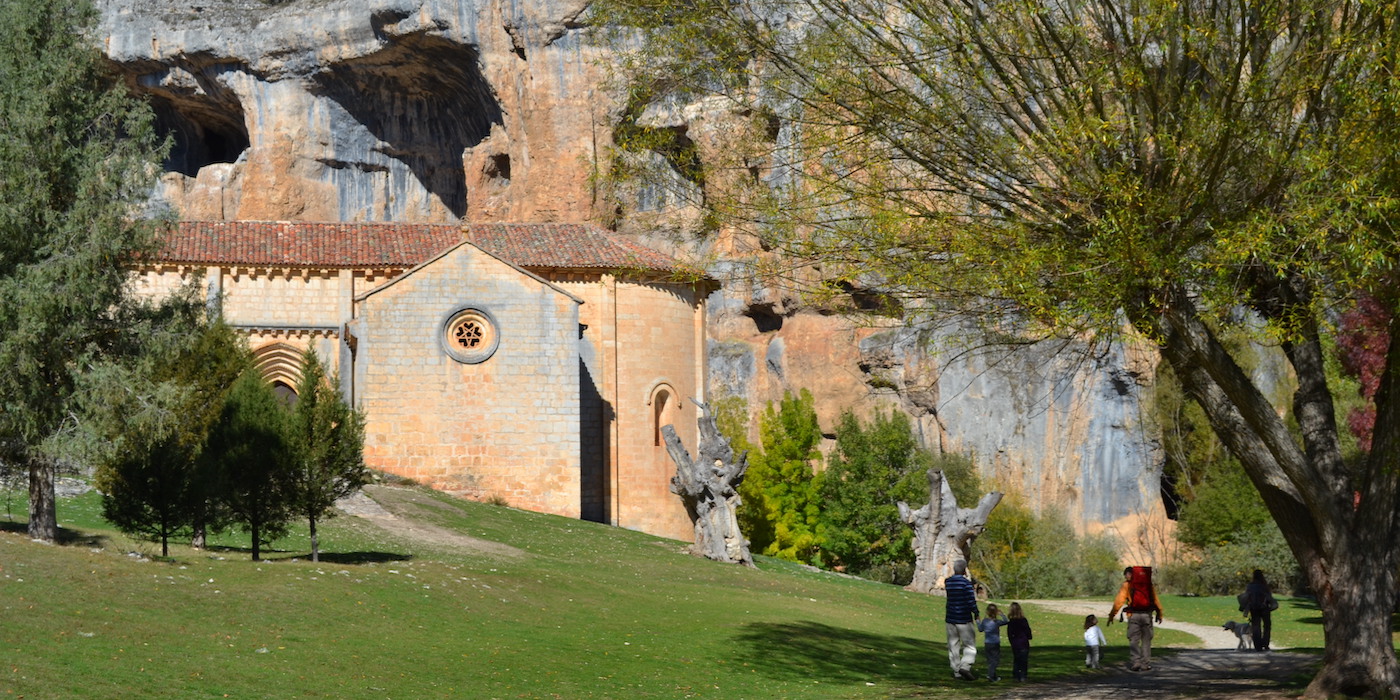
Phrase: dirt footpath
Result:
[1216,672]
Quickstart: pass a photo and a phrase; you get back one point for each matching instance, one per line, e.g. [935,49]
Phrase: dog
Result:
[1243,633]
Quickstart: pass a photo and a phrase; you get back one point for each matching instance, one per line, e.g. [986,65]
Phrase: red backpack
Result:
[1140,589]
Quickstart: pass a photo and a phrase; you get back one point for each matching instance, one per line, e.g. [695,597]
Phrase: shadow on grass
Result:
[805,649]
[800,651]
[357,557]
[326,557]
[1311,604]
[65,537]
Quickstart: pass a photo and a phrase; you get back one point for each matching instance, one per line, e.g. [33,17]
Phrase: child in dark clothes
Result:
[1018,631]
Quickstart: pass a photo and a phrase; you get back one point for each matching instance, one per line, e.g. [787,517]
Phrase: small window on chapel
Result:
[660,416]
[469,336]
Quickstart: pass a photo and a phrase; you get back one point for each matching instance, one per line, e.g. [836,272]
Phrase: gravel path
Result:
[1212,637]
[1215,672]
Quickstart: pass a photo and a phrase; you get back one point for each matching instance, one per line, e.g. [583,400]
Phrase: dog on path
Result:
[1242,633]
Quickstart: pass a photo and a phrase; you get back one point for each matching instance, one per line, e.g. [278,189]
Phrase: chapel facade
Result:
[535,363]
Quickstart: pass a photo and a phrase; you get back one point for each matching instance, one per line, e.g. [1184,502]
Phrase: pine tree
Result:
[328,443]
[78,155]
[251,453]
[151,418]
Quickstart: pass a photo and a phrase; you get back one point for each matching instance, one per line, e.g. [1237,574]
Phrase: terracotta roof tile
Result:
[577,246]
[307,244]
[360,245]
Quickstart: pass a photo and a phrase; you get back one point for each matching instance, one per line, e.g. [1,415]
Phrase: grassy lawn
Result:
[579,611]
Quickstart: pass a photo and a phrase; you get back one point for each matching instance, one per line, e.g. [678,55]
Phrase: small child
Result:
[1093,641]
[991,629]
[1018,631]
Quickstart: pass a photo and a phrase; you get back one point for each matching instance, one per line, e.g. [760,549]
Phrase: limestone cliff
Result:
[439,110]
[366,110]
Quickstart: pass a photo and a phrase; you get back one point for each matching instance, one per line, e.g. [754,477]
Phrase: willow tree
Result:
[78,155]
[1159,169]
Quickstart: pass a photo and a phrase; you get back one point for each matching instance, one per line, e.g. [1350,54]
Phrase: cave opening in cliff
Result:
[765,318]
[425,101]
[201,132]
[1171,498]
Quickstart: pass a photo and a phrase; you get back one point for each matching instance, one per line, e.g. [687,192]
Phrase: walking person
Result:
[1094,642]
[1137,598]
[1259,602]
[991,643]
[1018,632]
[959,618]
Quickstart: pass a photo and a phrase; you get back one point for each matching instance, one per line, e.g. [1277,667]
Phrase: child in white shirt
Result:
[1093,642]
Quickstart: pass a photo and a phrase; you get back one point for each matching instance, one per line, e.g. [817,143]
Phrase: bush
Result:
[1224,569]
[780,512]
[1022,555]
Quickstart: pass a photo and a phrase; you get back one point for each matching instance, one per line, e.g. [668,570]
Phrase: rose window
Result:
[470,336]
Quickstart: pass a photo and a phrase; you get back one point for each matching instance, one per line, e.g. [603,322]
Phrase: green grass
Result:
[579,611]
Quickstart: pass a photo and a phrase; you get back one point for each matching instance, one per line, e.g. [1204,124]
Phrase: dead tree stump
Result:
[708,485]
[943,532]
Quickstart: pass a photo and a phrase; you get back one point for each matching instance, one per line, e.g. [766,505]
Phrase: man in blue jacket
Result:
[960,619]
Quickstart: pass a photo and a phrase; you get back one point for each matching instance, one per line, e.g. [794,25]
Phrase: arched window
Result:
[661,415]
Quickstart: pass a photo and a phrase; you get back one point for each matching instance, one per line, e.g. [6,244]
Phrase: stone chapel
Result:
[536,363]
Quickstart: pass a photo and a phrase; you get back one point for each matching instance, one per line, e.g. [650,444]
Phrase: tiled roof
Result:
[307,244]
[574,246]
[376,245]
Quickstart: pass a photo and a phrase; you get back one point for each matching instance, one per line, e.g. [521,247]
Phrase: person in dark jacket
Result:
[1259,602]
[960,621]
[1018,632]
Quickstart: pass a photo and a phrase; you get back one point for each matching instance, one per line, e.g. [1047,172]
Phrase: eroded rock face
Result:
[1052,425]
[371,110]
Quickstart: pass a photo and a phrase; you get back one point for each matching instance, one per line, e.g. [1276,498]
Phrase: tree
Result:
[943,532]
[327,440]
[871,469]
[78,155]
[780,509]
[708,485]
[250,450]
[1159,170]
[150,420]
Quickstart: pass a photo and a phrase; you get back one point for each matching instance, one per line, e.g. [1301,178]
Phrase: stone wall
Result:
[507,426]
[643,351]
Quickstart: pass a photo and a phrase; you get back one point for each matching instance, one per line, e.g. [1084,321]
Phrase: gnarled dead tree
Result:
[708,485]
[943,532]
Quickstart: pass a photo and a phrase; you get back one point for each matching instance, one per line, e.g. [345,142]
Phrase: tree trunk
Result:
[257,539]
[43,517]
[1359,654]
[943,532]
[709,488]
[315,546]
